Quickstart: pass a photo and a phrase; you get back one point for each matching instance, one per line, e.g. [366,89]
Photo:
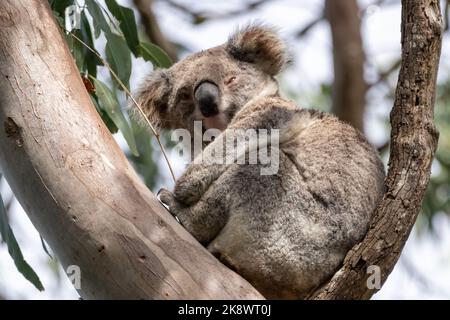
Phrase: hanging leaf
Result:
[60,6]
[76,49]
[14,249]
[100,23]
[144,163]
[59,19]
[106,119]
[127,23]
[108,102]
[155,55]
[119,58]
[91,60]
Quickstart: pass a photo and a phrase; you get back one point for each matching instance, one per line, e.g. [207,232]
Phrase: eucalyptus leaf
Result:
[144,163]
[59,19]
[76,49]
[106,119]
[14,249]
[108,102]
[127,23]
[118,56]
[60,6]
[154,54]
[91,61]
[100,23]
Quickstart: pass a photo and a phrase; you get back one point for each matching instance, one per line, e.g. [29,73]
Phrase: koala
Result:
[287,232]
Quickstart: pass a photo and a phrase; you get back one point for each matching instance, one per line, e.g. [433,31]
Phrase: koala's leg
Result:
[204,219]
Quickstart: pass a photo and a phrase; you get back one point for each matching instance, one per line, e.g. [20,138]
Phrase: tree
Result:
[82,195]
[349,87]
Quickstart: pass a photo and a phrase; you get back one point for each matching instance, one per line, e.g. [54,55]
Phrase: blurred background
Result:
[345,59]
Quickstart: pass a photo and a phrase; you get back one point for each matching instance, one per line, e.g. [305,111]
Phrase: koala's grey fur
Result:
[285,233]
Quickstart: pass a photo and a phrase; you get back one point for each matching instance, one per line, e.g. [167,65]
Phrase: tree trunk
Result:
[349,86]
[413,143]
[75,183]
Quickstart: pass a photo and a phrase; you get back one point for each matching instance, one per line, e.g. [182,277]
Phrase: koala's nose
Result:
[207,98]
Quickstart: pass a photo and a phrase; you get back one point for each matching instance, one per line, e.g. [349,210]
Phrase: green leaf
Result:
[144,163]
[59,19]
[127,23]
[76,48]
[106,119]
[119,58]
[60,6]
[155,55]
[14,250]
[108,102]
[91,61]
[100,23]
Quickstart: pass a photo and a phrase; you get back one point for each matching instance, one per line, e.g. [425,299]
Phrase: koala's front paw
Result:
[175,208]
[188,191]
[166,197]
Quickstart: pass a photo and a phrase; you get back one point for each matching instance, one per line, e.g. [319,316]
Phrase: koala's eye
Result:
[230,80]
[184,95]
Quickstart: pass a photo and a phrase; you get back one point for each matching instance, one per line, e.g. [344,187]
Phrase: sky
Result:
[423,270]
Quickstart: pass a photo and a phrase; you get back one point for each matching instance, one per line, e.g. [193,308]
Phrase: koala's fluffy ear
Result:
[259,45]
[153,97]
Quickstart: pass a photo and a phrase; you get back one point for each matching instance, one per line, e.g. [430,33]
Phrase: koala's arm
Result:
[205,218]
[263,113]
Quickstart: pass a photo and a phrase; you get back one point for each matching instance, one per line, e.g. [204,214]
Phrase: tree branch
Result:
[413,143]
[310,25]
[75,183]
[152,29]
[349,87]
[202,16]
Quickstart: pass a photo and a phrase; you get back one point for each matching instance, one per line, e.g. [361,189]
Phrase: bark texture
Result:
[413,143]
[349,86]
[75,183]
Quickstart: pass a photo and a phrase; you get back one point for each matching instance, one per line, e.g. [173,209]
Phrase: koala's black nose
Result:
[207,98]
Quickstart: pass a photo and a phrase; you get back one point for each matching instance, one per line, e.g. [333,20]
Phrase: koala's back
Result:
[288,232]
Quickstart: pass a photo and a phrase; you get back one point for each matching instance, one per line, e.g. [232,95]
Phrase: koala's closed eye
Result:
[230,80]
[184,94]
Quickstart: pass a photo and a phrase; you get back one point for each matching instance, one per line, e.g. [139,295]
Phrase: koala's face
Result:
[214,84]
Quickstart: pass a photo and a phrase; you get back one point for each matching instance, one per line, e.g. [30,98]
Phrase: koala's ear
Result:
[153,97]
[259,45]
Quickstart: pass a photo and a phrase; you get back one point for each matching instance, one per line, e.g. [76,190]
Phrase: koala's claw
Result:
[168,200]
[166,197]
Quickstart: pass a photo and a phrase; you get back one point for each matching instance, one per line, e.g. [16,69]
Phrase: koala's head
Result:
[212,85]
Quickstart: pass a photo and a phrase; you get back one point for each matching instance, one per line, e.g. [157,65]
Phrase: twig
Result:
[309,26]
[382,76]
[422,280]
[152,29]
[200,16]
